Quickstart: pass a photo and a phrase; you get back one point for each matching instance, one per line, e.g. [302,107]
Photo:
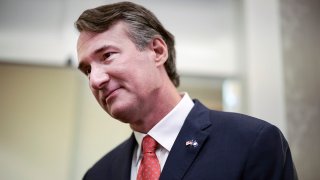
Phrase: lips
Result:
[108,94]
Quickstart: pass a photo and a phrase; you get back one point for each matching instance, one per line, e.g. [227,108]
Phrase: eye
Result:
[108,55]
[86,70]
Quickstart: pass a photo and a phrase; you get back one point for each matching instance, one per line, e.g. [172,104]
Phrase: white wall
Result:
[264,72]
[204,32]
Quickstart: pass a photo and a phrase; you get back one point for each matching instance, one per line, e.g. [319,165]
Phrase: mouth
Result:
[109,95]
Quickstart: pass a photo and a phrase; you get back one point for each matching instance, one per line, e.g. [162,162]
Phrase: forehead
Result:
[90,41]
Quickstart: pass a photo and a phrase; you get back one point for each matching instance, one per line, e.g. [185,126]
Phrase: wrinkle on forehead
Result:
[84,37]
[89,41]
[88,35]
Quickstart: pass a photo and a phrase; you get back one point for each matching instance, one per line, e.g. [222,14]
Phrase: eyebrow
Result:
[99,50]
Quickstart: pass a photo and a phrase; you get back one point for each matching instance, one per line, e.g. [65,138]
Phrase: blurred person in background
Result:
[129,59]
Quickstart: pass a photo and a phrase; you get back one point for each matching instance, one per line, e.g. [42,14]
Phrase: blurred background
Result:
[257,57]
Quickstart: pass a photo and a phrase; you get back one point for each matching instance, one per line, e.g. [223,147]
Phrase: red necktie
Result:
[149,167]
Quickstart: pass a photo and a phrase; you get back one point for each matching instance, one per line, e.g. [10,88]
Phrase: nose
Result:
[98,77]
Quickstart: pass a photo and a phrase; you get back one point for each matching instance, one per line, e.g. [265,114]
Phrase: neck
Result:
[165,100]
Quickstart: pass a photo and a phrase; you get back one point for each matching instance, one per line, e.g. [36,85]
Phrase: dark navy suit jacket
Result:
[230,146]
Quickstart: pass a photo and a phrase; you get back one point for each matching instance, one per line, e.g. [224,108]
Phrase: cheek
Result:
[146,71]
[95,94]
[146,84]
[139,74]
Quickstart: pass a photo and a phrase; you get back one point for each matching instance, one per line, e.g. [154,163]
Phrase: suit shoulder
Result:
[236,120]
[244,126]
[241,121]
[228,122]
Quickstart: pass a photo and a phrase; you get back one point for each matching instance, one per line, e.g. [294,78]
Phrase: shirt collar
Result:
[167,129]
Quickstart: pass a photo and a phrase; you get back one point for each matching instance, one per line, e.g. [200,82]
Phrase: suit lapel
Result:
[196,129]
[122,165]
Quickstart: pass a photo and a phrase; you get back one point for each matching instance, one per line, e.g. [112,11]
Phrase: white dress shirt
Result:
[164,132]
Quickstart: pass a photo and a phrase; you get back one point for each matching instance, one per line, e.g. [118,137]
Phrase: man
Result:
[129,58]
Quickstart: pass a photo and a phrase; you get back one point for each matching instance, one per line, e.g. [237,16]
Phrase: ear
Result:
[159,47]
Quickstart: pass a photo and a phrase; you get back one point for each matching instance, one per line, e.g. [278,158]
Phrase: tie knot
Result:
[149,145]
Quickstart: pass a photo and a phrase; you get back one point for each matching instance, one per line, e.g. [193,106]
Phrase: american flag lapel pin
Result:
[192,143]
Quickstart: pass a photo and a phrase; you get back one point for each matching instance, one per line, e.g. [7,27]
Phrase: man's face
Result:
[123,79]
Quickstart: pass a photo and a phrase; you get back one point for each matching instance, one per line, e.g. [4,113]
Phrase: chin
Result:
[121,112]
